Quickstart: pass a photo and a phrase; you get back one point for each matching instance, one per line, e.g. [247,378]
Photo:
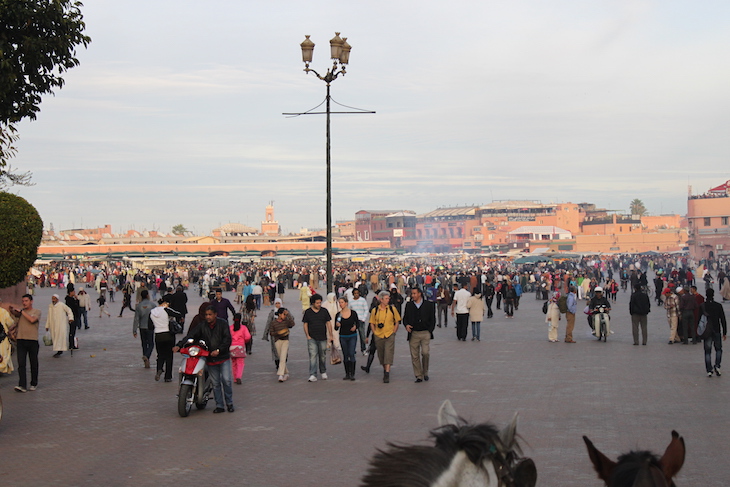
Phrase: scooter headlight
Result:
[193,351]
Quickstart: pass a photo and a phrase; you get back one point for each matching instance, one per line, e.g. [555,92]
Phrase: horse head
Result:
[463,455]
[640,468]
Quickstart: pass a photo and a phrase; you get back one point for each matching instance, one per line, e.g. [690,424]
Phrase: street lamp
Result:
[340,54]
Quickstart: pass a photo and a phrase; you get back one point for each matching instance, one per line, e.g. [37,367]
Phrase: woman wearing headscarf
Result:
[304,294]
[6,321]
[553,317]
[333,308]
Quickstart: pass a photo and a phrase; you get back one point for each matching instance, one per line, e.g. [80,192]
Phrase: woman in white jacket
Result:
[553,317]
[476,307]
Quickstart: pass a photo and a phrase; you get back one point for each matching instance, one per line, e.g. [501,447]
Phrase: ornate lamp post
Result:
[340,54]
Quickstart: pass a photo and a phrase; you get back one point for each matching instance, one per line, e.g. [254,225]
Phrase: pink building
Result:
[708,217]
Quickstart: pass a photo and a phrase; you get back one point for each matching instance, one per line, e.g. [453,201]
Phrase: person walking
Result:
[346,323]
[510,296]
[671,305]
[475,305]
[443,301]
[239,336]
[58,322]
[419,322]
[317,324]
[360,306]
[488,290]
[639,309]
[101,300]
[84,308]
[27,342]
[73,303]
[164,339]
[553,317]
[267,331]
[126,298]
[248,319]
[572,308]
[384,321]
[687,305]
[715,320]
[279,331]
[141,322]
[458,308]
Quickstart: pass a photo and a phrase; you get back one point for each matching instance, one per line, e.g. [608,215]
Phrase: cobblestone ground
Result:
[99,418]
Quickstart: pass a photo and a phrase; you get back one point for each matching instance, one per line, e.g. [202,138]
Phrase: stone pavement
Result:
[99,418]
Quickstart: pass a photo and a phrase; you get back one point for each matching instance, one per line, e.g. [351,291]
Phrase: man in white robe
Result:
[60,317]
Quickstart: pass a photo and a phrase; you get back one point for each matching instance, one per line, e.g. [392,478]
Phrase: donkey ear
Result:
[603,465]
[508,433]
[673,457]
[447,414]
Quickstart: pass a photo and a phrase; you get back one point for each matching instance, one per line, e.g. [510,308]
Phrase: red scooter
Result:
[195,386]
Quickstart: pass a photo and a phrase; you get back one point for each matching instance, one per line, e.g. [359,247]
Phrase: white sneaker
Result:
[286,376]
[32,388]
[312,378]
[281,378]
[324,376]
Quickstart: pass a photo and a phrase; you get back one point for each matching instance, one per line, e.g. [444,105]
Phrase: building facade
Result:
[708,221]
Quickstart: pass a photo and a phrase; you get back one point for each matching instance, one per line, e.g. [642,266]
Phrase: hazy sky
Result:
[175,113]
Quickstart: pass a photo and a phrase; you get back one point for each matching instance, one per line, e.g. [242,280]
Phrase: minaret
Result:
[270,226]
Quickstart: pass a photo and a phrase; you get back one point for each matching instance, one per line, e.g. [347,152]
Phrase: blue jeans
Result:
[258,300]
[476,328]
[83,318]
[349,345]
[221,375]
[362,329]
[317,350]
[148,341]
[715,339]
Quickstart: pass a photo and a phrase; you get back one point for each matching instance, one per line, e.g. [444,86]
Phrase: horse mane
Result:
[421,466]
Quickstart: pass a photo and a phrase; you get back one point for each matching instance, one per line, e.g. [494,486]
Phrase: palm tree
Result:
[637,207]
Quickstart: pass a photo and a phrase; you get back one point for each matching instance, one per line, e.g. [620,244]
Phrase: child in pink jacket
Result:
[239,337]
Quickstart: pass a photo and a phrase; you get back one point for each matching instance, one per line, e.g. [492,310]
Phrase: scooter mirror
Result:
[202,342]
[190,340]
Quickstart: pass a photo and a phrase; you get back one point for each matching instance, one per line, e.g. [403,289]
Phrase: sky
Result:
[174,115]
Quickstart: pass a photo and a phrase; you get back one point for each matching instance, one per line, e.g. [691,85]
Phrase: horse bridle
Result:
[503,466]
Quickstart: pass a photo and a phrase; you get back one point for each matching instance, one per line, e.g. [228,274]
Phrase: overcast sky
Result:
[175,113]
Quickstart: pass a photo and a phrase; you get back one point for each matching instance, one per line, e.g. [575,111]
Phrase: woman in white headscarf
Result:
[332,306]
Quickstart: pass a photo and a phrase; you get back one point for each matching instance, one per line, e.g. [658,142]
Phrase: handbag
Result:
[175,327]
[47,340]
[335,357]
[238,351]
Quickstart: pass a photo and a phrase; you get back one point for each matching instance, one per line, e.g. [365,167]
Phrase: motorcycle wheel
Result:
[185,400]
[201,405]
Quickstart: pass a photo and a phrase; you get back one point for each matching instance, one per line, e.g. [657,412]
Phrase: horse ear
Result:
[603,465]
[673,457]
[508,433]
[447,414]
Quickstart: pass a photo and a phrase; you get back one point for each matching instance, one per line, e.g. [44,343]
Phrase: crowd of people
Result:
[370,302]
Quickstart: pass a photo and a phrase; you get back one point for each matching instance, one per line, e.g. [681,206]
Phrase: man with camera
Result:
[384,321]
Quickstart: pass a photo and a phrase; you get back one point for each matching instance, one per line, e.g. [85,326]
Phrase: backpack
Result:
[563,304]
[545,308]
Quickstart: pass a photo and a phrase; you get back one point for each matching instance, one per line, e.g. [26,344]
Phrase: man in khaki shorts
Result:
[384,321]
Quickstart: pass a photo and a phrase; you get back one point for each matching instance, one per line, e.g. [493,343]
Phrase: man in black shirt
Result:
[715,319]
[419,321]
[318,330]
[639,309]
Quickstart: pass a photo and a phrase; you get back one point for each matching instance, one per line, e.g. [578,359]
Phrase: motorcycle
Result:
[195,385]
[601,322]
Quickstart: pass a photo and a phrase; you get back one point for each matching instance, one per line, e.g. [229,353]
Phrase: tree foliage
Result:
[637,207]
[38,40]
[179,229]
[21,229]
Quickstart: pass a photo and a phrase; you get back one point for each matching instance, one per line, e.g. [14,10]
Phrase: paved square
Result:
[99,418]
